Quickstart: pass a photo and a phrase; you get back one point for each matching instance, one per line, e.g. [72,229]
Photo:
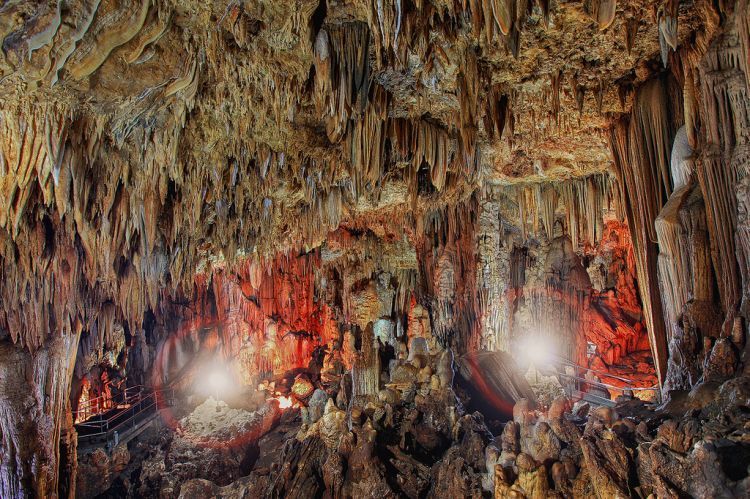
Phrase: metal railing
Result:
[120,420]
[92,406]
[102,403]
[577,385]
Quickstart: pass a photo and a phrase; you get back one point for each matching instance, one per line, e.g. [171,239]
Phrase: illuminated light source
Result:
[217,383]
[284,402]
[538,350]
[302,387]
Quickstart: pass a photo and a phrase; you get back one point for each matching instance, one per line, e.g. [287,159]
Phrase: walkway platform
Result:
[122,423]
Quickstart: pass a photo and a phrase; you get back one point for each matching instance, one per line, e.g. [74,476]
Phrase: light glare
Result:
[537,350]
[284,402]
[219,381]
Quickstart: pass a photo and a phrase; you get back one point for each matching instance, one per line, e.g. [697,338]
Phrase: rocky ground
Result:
[417,440]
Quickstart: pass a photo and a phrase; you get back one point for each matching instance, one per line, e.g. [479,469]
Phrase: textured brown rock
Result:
[546,445]
[608,462]
[33,394]
[455,477]
[97,470]
[722,362]
[532,477]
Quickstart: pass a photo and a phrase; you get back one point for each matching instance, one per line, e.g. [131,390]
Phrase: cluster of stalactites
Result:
[62,240]
[357,112]
[396,24]
[354,259]
[584,201]
[266,313]
[342,75]
[82,228]
[723,163]
[503,20]
[448,263]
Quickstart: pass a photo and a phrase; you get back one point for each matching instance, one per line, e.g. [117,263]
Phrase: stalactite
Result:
[504,14]
[496,114]
[673,260]
[584,201]
[690,105]
[726,116]
[650,138]
[641,149]
[468,95]
[421,141]
[447,262]
[342,74]
[493,273]
[667,22]
[544,5]
[579,92]
[548,199]
[525,208]
[718,185]
[743,30]
[367,141]
[631,31]
[602,12]
[556,81]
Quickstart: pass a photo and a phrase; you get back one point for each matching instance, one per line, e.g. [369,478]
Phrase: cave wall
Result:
[565,276]
[34,409]
[684,191]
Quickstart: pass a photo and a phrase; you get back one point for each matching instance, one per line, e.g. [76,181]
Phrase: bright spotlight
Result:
[284,402]
[537,350]
[216,383]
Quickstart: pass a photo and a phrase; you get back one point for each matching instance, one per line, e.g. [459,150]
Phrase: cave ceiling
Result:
[143,138]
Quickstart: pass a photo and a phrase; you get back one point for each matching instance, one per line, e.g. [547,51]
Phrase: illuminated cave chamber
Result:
[415,248]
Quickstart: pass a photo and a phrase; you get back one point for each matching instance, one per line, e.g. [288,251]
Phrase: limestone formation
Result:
[348,248]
